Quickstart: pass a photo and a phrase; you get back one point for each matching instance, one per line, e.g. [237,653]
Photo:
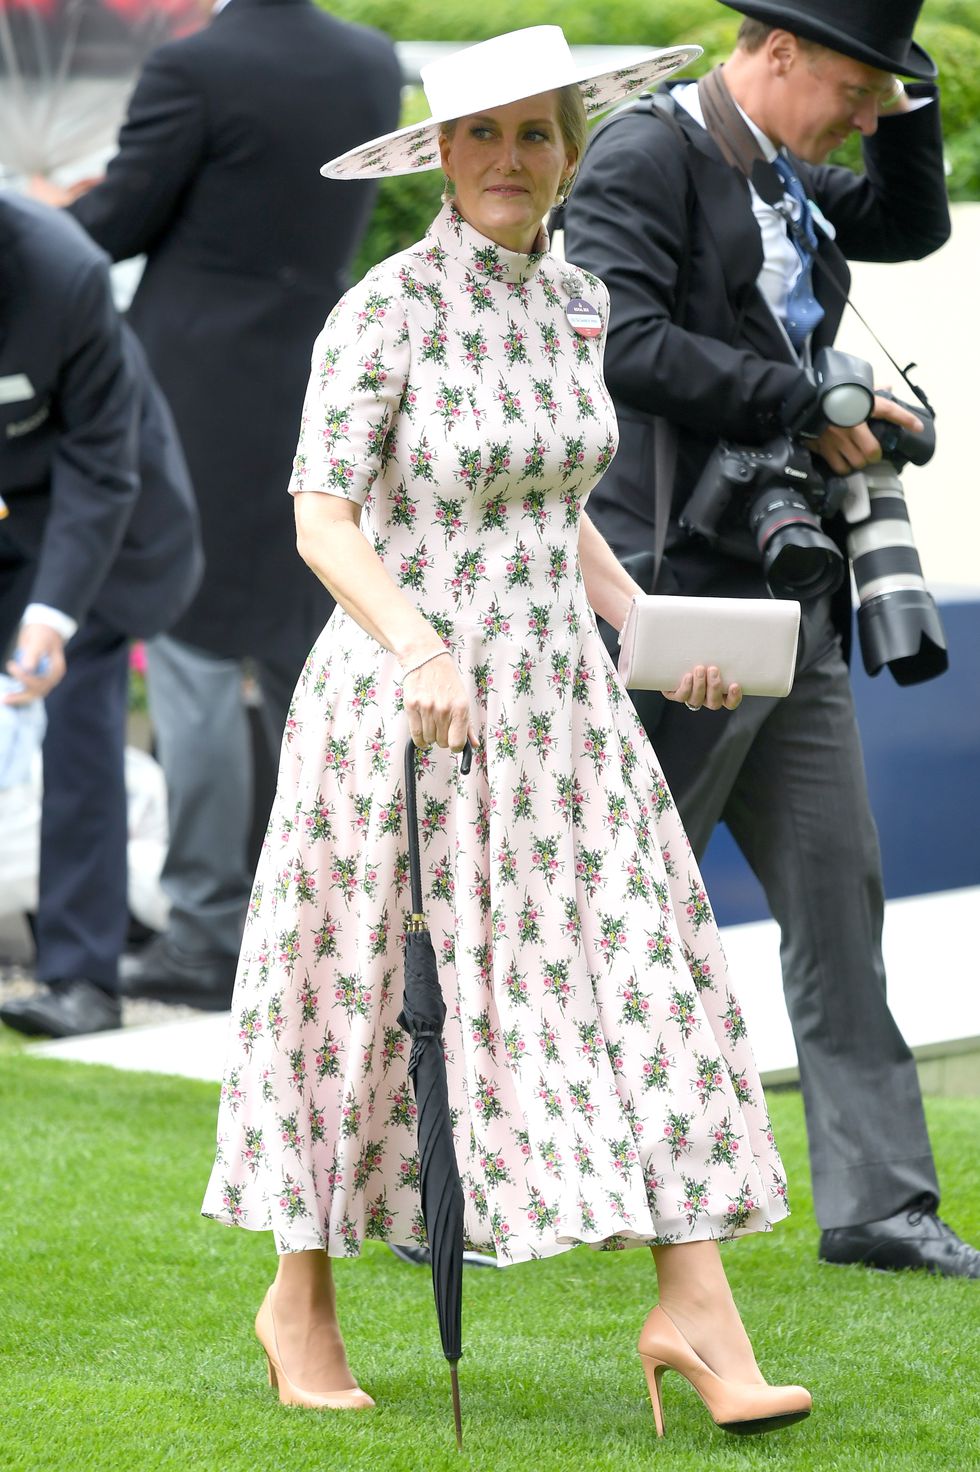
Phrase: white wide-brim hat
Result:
[504,69]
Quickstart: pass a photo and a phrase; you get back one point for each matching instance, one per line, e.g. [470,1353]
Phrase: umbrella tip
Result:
[457,1411]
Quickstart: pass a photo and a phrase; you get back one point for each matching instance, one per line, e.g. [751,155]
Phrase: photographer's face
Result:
[827,97]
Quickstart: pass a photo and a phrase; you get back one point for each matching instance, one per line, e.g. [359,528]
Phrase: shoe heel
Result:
[654,1371]
[273,1377]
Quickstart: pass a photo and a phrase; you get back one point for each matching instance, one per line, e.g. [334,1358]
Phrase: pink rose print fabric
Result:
[603,1087]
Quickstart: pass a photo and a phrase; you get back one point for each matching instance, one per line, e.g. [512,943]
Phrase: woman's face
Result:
[506,165]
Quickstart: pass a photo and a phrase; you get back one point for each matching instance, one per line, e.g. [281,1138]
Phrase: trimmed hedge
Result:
[948,30]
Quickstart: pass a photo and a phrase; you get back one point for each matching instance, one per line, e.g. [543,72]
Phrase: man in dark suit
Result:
[100,543]
[217,181]
[715,310]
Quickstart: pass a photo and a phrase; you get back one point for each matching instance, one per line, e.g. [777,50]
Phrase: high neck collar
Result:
[481,255]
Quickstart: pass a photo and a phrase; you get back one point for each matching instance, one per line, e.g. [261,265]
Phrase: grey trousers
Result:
[204,746]
[788,778]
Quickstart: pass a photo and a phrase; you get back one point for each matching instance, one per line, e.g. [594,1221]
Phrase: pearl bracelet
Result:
[413,667]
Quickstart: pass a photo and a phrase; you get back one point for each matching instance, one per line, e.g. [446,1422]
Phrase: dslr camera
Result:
[766,504]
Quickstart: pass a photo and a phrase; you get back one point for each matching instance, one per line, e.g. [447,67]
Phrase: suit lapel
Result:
[726,209]
[10,272]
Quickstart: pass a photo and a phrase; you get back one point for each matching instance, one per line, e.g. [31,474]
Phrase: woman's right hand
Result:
[438,707]
[330,541]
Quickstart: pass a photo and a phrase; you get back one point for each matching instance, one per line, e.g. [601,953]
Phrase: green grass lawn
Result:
[126,1340]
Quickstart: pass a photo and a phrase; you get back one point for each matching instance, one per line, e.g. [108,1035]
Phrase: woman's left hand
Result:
[702,687]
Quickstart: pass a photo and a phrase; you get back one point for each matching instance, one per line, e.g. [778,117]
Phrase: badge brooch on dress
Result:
[583,317]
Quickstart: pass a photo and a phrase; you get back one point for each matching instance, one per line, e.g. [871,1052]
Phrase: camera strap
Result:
[644,566]
[834,280]
[740,148]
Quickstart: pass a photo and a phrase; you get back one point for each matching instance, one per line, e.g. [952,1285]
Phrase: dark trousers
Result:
[16,575]
[787,776]
[82,915]
[204,746]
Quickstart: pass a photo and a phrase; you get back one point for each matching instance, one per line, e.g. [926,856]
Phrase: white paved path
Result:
[931,955]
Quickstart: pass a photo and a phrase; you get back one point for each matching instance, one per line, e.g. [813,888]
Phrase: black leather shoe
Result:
[165,974]
[420,1257]
[68,1010]
[913,1238]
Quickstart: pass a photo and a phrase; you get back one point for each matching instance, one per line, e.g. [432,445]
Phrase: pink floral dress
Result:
[603,1087]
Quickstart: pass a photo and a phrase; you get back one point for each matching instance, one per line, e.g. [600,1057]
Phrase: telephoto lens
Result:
[898,621]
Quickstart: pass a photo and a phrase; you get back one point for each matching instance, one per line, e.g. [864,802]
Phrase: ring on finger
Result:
[690,706]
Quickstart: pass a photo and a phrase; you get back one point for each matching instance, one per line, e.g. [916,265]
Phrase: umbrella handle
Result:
[411,810]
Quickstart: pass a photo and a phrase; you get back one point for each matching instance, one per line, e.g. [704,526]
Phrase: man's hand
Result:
[58,195]
[893,98]
[852,449]
[38,663]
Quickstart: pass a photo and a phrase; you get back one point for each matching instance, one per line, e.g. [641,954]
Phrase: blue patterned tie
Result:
[803,311]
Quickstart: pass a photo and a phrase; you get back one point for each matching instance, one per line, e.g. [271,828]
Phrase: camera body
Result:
[765,504]
[901,446]
[778,522]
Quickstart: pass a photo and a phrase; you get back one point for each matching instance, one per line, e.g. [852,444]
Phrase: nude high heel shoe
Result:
[743,1409]
[290,1394]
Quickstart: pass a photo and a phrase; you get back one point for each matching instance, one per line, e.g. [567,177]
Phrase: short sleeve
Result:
[359,369]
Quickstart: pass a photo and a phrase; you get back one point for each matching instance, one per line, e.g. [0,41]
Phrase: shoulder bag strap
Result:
[658,106]
[665,440]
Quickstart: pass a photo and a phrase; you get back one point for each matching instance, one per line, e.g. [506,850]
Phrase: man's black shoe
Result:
[913,1238]
[420,1257]
[164,974]
[69,1010]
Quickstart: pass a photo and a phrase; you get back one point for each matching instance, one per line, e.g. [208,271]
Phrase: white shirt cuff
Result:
[53,618]
[914,104]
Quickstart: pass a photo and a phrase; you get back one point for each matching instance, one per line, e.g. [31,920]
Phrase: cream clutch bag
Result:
[751,640]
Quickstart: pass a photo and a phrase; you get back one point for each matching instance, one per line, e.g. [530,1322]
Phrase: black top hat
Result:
[877,32]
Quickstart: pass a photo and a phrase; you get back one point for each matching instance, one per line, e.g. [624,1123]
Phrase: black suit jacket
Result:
[248,248]
[102,515]
[644,202]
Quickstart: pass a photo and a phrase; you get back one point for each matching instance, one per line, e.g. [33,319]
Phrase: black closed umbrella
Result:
[423,1016]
